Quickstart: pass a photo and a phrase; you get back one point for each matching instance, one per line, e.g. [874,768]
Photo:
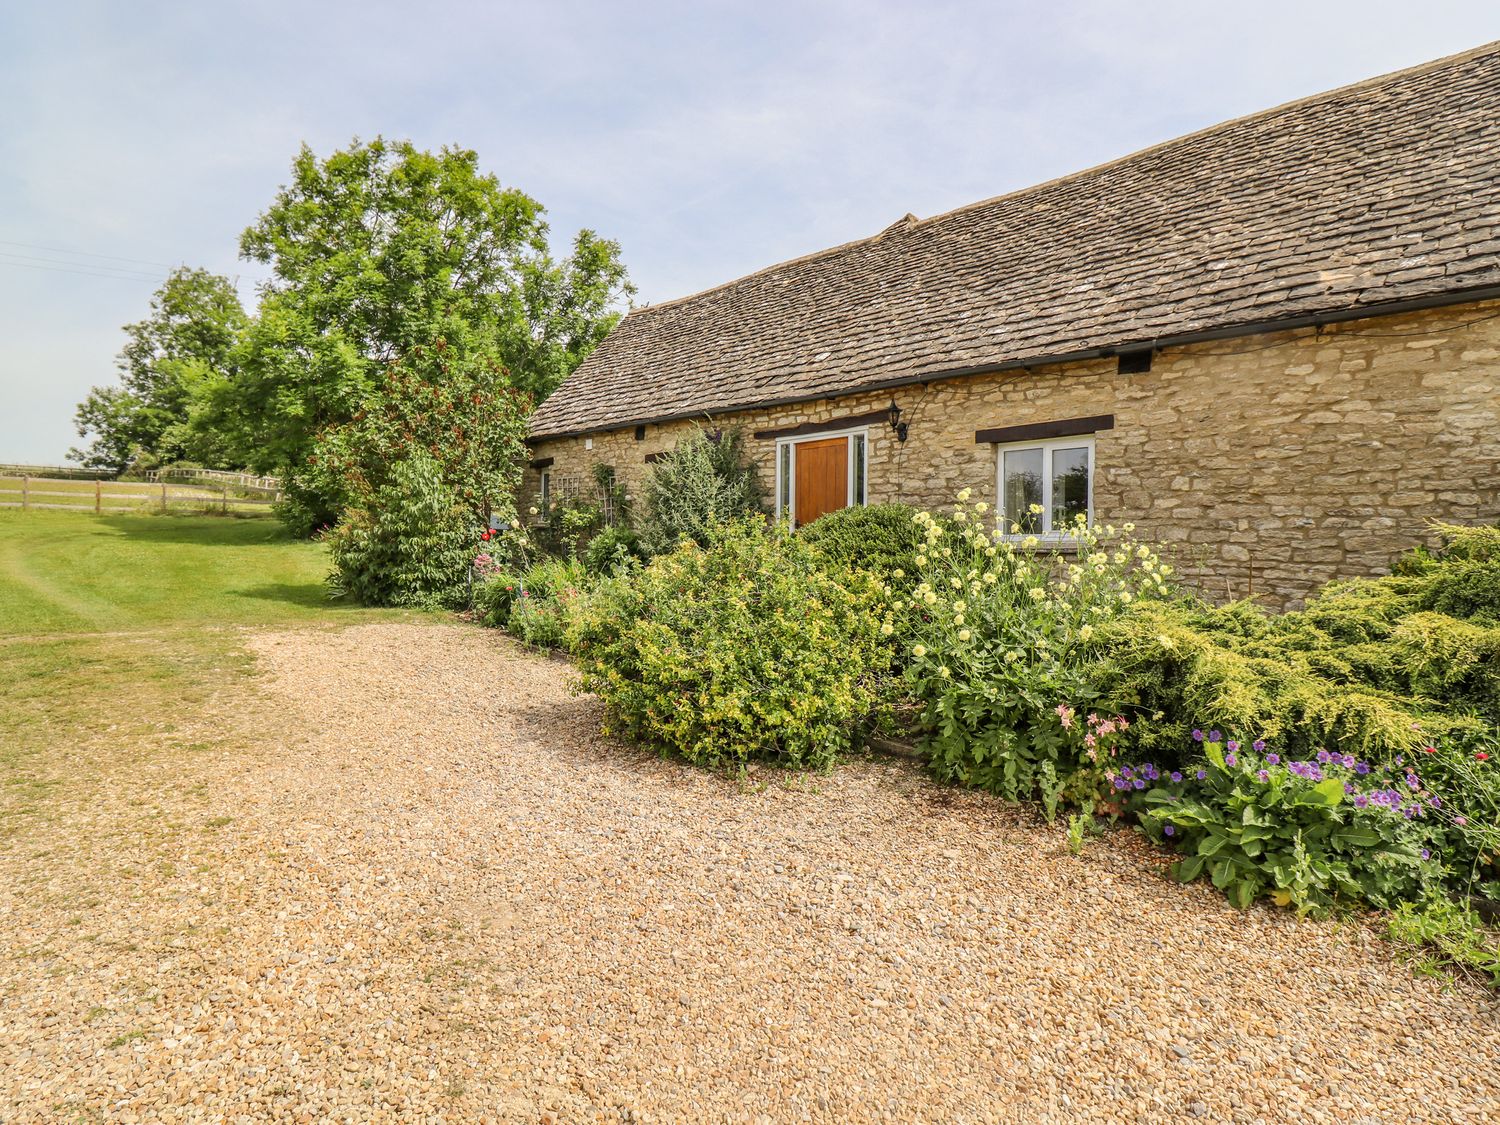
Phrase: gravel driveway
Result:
[440,895]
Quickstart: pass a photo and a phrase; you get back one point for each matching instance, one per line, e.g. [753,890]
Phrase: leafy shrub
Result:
[1005,648]
[409,545]
[701,483]
[746,648]
[1442,933]
[1307,832]
[613,550]
[880,538]
[532,604]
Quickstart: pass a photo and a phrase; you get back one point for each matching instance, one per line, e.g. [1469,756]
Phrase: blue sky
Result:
[709,139]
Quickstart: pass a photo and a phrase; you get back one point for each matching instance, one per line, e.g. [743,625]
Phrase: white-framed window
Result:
[1056,477]
[856,473]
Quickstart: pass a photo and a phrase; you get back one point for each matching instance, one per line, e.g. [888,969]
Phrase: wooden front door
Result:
[822,478]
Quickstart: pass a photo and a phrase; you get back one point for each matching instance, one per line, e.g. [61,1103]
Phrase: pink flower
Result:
[1065,713]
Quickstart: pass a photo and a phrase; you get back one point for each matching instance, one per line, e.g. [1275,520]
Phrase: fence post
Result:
[25,493]
[225,498]
[163,497]
[98,497]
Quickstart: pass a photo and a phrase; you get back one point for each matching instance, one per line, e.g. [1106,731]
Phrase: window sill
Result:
[1045,544]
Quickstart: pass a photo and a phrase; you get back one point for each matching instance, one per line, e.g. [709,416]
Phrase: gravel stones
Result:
[433,892]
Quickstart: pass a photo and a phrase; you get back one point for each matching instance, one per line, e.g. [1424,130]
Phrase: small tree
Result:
[172,362]
[704,481]
[419,472]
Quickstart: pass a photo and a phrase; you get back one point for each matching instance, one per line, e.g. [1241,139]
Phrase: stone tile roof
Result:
[1384,191]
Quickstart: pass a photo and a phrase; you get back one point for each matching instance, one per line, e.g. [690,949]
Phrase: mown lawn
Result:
[120,631]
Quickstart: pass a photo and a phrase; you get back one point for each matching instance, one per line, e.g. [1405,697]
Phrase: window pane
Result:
[1070,487]
[859,468]
[1023,488]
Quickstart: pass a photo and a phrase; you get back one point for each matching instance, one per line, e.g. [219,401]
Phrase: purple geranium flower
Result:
[1176,776]
[1271,759]
[1231,760]
[1201,774]
[1171,830]
[1361,768]
[1139,784]
[1197,736]
[1264,775]
[1213,736]
[1259,745]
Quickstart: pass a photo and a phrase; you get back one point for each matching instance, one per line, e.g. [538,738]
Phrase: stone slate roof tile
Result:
[1386,190]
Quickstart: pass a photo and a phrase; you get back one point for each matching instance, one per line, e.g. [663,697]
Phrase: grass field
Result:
[124,628]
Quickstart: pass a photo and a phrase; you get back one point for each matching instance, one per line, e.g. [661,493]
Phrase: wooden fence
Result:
[107,496]
[242,482]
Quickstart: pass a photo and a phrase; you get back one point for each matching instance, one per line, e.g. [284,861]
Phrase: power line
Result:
[77,273]
[85,254]
[122,270]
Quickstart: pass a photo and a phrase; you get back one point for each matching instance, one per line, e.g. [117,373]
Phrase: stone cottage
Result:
[1273,345]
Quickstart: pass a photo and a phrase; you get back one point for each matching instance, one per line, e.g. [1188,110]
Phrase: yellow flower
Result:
[1035,509]
[1012,656]
[943,671]
[964,494]
[958,619]
[960,516]
[1129,527]
[955,583]
[963,634]
[1143,552]
[918,651]
[959,607]
[929,597]
[1037,593]
[898,574]
[1125,597]
[886,630]
[981,507]
[1086,632]
[1015,529]
[921,560]
[989,552]
[1030,541]
[989,577]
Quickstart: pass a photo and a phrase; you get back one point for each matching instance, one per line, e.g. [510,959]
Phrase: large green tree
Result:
[381,249]
[172,362]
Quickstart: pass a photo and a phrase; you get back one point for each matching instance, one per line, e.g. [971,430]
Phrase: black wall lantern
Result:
[898,427]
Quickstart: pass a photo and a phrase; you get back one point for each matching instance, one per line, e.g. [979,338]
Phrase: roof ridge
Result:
[1308,99]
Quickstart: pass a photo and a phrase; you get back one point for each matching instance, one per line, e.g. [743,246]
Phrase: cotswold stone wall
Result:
[1266,464]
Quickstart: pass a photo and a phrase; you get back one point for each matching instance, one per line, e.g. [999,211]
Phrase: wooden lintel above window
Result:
[1041,431]
[543,463]
[848,422]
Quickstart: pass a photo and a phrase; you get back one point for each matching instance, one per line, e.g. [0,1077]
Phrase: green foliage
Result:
[1441,934]
[613,551]
[746,648]
[1307,832]
[701,483]
[409,544]
[381,249]
[172,363]
[458,409]
[1378,667]
[533,604]
[880,538]
[1005,649]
